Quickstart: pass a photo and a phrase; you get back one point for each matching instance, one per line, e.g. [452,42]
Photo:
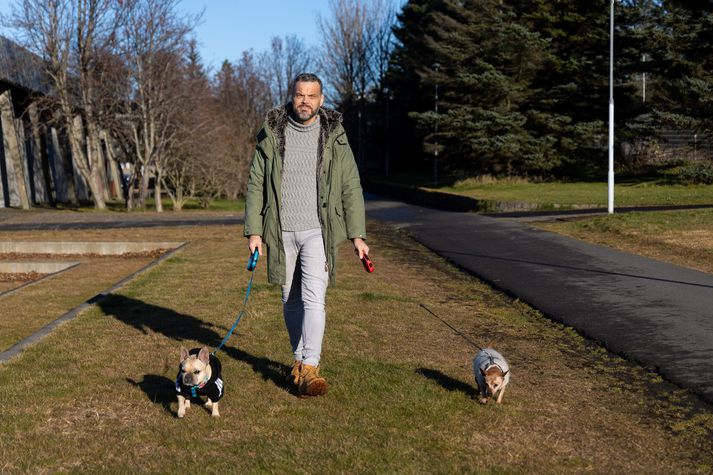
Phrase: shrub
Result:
[699,173]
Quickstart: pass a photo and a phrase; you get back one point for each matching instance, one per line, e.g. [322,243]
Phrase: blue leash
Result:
[252,263]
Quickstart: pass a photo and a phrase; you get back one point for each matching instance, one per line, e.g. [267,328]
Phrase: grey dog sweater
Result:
[484,360]
[299,207]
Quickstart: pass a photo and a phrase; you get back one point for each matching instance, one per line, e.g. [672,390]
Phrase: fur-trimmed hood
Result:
[276,119]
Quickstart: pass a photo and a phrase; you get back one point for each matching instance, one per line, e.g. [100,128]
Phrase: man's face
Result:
[307,98]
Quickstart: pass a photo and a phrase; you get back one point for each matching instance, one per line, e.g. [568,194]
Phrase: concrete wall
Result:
[36,166]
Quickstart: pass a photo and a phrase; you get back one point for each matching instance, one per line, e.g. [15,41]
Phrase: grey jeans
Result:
[303,294]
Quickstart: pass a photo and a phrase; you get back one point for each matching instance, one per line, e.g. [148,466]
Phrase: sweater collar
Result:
[300,127]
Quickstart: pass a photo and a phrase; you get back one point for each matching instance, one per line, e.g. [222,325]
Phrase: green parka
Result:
[341,200]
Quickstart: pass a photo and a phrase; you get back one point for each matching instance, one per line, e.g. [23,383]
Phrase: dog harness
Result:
[211,388]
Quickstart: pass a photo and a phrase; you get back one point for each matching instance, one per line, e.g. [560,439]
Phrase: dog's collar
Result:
[197,387]
[493,365]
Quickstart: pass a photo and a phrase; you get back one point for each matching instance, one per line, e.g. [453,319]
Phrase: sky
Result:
[229,27]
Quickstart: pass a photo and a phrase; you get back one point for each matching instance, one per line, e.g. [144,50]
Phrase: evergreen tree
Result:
[685,98]
[487,61]
[407,91]
[524,84]
[571,91]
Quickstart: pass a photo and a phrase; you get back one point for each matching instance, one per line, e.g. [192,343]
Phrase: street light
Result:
[610,201]
[435,131]
[387,96]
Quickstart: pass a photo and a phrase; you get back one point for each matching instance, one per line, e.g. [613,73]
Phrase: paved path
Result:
[41,220]
[657,314]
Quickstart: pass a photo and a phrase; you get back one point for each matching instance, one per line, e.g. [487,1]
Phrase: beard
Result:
[305,114]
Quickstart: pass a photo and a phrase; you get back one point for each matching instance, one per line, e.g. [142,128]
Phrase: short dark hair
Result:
[307,77]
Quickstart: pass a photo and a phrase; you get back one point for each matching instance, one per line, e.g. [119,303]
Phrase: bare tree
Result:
[286,59]
[356,45]
[199,128]
[243,100]
[154,41]
[382,41]
[69,36]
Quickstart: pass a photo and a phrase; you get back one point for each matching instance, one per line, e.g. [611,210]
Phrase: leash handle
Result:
[252,261]
[366,262]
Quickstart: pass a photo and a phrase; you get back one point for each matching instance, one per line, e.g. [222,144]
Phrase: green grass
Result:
[401,386]
[585,193]
[683,237]
[627,191]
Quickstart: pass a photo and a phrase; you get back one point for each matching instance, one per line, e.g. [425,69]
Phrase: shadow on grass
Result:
[181,327]
[451,384]
[159,390]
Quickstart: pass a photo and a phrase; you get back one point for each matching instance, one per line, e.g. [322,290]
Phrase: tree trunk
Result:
[87,168]
[63,171]
[96,160]
[143,188]
[157,192]
[115,189]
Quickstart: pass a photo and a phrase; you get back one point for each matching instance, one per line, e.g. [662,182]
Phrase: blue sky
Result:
[230,27]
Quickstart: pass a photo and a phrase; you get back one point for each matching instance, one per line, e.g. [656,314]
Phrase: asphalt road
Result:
[657,314]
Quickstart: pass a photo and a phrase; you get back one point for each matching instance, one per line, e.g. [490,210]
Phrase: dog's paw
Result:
[181,412]
[483,400]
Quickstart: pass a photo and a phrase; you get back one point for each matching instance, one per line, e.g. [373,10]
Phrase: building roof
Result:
[21,68]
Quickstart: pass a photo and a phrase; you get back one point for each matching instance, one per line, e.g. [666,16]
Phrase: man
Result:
[303,199]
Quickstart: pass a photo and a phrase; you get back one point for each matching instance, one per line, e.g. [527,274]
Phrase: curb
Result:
[18,347]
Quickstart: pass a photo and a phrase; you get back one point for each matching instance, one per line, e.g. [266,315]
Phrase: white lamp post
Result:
[435,133]
[610,201]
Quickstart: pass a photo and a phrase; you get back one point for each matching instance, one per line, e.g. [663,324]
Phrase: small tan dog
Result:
[199,374]
[492,374]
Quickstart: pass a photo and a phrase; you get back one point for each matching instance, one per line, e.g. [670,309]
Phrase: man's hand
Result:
[360,247]
[255,242]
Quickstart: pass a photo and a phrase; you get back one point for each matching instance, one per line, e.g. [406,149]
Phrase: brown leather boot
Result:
[294,376]
[311,383]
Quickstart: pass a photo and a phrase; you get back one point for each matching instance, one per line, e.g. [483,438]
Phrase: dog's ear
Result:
[204,355]
[184,353]
[482,372]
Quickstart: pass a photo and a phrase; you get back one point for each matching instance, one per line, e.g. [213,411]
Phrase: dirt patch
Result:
[21,277]
[14,256]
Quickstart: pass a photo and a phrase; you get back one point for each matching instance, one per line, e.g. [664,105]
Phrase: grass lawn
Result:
[627,192]
[585,193]
[683,237]
[97,396]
